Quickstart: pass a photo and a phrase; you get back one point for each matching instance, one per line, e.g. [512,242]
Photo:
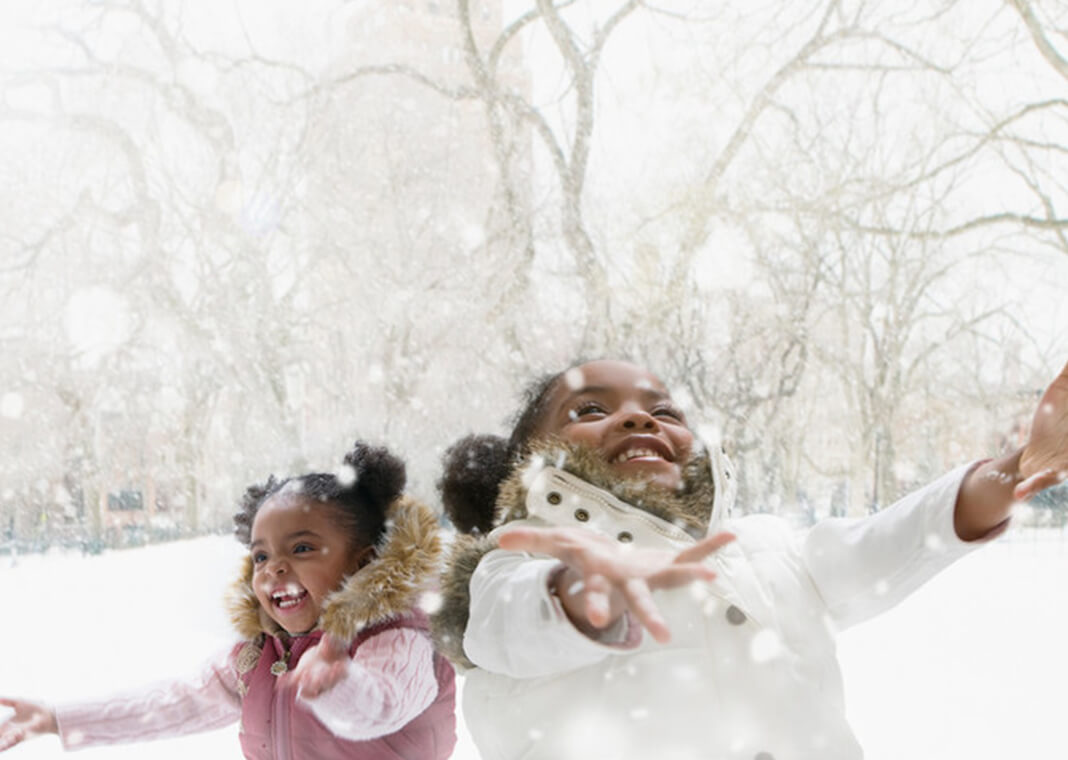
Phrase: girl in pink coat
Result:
[334,660]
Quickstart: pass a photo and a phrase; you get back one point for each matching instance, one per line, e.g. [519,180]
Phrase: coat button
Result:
[625,537]
[553,497]
[582,515]
[736,617]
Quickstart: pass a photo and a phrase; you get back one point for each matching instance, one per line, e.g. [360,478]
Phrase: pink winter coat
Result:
[274,725]
[397,701]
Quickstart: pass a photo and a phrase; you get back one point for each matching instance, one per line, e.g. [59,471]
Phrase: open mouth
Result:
[288,599]
[641,448]
[631,455]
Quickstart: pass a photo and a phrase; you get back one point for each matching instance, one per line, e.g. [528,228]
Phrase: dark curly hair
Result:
[359,503]
[475,466]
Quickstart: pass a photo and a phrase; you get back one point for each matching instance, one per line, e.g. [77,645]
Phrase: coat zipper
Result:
[281,723]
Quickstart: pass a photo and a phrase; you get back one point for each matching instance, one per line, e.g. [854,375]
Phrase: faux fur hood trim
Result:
[690,507]
[448,623]
[406,559]
[694,508]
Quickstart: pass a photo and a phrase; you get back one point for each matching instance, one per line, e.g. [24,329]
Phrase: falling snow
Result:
[11,405]
[430,602]
[765,646]
[226,255]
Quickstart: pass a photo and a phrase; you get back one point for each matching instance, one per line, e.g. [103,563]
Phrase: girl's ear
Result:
[361,558]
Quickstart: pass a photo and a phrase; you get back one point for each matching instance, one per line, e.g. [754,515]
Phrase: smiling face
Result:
[299,554]
[625,413]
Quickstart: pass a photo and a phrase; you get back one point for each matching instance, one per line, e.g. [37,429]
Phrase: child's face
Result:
[625,413]
[299,556]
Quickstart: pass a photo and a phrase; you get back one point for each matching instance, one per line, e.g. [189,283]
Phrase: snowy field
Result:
[974,666]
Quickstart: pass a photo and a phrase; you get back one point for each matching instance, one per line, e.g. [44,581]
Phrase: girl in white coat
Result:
[602,519]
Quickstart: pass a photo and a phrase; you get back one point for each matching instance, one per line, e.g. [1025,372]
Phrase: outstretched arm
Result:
[988,493]
[30,719]
[154,711]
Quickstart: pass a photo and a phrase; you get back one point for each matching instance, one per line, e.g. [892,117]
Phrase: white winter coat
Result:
[751,671]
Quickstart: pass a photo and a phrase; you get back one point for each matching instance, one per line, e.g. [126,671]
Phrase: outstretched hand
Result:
[603,578]
[1044,460]
[30,719]
[320,669]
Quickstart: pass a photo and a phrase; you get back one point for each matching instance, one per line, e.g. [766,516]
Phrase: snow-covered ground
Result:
[974,666]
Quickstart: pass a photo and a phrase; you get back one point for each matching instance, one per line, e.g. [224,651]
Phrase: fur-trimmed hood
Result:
[698,508]
[694,507]
[406,559]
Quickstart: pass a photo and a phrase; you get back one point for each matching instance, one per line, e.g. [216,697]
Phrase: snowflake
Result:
[430,602]
[765,646]
[346,475]
[574,379]
[11,405]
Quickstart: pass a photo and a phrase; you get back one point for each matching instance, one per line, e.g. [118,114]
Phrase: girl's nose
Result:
[638,419]
[278,567]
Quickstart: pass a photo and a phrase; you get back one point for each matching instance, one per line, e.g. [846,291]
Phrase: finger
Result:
[705,547]
[308,681]
[680,575]
[596,597]
[640,602]
[334,647]
[535,540]
[11,739]
[322,679]
[1040,481]
[335,675]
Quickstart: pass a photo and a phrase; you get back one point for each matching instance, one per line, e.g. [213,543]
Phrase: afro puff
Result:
[370,480]
[474,467]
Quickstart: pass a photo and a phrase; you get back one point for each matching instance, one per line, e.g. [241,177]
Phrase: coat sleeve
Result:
[164,709]
[390,681]
[862,567]
[517,628]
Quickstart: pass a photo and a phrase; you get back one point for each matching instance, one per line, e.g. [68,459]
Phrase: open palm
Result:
[1044,460]
[616,578]
[30,719]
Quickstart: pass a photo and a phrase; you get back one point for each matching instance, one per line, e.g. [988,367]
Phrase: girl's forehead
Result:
[288,505]
[610,375]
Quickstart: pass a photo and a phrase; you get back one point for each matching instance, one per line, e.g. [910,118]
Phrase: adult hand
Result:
[30,719]
[1044,460]
[322,667]
[604,578]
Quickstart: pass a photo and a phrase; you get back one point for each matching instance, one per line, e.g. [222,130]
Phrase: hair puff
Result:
[360,497]
[473,469]
[379,476]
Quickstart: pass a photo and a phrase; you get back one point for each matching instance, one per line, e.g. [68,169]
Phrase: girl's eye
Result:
[259,557]
[301,548]
[668,411]
[586,409]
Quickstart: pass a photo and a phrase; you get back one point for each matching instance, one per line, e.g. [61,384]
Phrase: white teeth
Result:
[288,597]
[629,454]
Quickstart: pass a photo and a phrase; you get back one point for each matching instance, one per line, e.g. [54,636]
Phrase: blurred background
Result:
[238,235]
